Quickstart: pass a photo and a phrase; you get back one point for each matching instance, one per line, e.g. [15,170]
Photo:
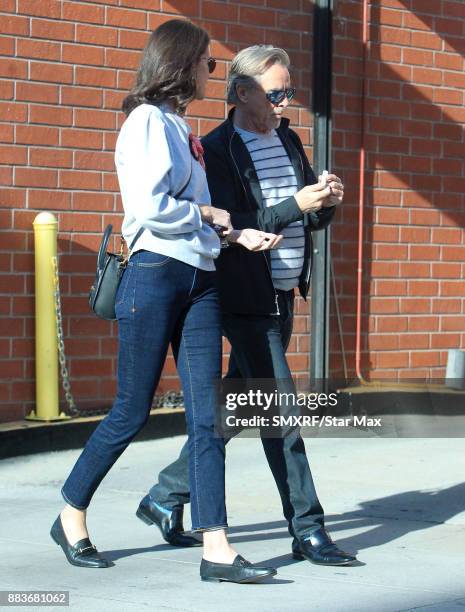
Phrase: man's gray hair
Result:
[249,64]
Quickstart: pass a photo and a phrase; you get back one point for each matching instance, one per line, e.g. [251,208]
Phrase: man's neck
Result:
[244,122]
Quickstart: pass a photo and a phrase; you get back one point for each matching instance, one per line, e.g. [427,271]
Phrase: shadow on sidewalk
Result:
[386,519]
[390,518]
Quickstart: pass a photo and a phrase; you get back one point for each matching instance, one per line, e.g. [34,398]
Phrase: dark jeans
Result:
[160,301]
[259,345]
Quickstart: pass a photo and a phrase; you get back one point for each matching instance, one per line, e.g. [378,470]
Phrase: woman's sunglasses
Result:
[276,96]
[211,63]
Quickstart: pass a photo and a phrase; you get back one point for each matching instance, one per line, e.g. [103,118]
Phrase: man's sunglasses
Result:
[276,96]
[211,63]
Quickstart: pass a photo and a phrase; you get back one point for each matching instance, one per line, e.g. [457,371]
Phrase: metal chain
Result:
[170,399]
[72,409]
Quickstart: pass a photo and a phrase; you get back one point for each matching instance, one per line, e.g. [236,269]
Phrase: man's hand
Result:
[312,197]
[254,240]
[216,216]
[336,189]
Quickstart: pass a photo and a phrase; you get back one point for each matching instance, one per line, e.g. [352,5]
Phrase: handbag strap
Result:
[136,238]
[103,246]
[184,187]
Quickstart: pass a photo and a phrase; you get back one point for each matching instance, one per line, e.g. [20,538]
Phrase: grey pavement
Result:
[398,503]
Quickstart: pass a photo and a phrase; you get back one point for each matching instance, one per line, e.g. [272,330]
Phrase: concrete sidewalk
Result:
[398,503]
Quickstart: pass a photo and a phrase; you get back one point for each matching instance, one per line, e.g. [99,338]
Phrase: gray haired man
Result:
[257,170]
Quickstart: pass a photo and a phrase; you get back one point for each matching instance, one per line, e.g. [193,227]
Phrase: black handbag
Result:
[110,268]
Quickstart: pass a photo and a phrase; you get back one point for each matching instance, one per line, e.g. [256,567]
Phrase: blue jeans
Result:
[160,301]
[259,346]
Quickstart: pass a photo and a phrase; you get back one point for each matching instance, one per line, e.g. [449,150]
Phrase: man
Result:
[257,170]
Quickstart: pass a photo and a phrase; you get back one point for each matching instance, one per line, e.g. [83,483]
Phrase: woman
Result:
[167,295]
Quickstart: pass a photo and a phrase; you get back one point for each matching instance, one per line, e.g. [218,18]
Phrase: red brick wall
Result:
[414,242]
[64,69]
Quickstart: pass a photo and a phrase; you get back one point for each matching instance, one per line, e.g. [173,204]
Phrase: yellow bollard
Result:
[47,399]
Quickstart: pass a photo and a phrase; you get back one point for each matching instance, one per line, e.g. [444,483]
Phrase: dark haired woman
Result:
[166,296]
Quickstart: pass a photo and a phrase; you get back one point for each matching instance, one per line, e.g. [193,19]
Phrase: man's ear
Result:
[242,93]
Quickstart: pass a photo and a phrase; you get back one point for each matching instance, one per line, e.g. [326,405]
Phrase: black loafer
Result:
[169,522]
[82,554]
[240,571]
[320,549]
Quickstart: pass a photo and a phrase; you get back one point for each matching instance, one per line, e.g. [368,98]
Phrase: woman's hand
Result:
[216,216]
[254,240]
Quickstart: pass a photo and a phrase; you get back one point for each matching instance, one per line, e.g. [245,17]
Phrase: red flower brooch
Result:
[196,149]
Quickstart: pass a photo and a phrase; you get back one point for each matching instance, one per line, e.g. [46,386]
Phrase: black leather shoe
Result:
[240,571]
[82,554]
[169,522]
[320,549]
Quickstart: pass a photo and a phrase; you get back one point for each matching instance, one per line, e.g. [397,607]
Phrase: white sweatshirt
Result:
[154,162]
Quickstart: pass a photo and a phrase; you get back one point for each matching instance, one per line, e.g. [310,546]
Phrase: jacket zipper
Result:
[263,252]
[309,271]
[310,265]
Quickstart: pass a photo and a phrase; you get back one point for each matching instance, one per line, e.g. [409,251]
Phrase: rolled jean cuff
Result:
[70,503]
[214,528]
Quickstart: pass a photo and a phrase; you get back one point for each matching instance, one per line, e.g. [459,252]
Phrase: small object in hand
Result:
[324,180]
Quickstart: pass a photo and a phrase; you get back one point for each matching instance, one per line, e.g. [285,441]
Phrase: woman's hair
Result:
[167,71]
[249,64]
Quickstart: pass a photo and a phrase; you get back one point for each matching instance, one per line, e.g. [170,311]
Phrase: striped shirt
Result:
[278,182]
